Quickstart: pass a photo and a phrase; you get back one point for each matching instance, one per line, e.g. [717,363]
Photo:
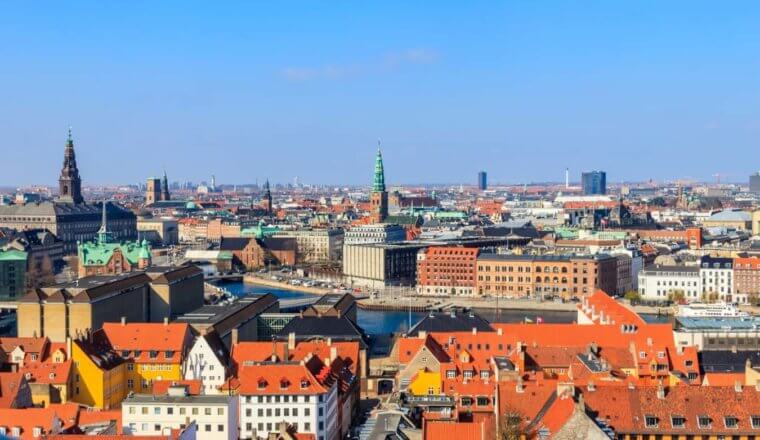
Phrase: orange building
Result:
[561,275]
[747,275]
[446,270]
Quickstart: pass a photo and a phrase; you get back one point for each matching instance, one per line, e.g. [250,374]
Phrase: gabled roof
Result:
[148,342]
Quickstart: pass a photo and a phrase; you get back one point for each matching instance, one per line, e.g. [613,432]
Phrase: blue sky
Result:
[249,90]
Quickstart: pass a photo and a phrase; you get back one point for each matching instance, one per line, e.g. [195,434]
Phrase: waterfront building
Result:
[747,276]
[216,416]
[379,196]
[107,257]
[13,264]
[717,279]
[69,217]
[594,182]
[561,275]
[444,270]
[660,283]
[315,245]
[718,333]
[379,265]
[375,233]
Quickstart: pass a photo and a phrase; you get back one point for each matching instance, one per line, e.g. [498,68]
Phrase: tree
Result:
[676,296]
[632,296]
[512,425]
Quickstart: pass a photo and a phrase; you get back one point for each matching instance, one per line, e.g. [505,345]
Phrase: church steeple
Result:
[379,183]
[268,198]
[69,183]
[103,235]
[379,197]
[165,188]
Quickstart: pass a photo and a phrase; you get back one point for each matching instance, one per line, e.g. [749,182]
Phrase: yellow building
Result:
[151,351]
[99,374]
[426,382]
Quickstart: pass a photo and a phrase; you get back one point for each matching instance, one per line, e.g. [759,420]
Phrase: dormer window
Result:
[643,354]
[704,422]
[661,355]
[451,374]
[125,353]
[16,431]
[34,356]
[688,363]
[138,353]
[262,384]
[36,431]
[731,422]
[304,384]
[468,374]
[3,430]
[678,421]
[153,354]
[169,354]
[651,421]
[484,374]
[284,384]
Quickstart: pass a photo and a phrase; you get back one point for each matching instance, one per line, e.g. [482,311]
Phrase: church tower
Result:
[70,184]
[379,197]
[268,198]
[165,188]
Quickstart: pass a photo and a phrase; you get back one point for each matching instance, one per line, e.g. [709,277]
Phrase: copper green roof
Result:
[97,254]
[12,255]
[379,183]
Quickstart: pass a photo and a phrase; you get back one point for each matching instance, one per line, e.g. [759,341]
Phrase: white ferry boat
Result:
[717,310]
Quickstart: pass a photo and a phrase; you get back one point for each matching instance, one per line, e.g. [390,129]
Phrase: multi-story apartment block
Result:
[717,278]
[272,393]
[561,275]
[660,283]
[149,415]
[447,270]
[378,265]
[747,276]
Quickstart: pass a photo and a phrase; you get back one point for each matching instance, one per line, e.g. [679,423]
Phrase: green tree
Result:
[676,295]
[632,296]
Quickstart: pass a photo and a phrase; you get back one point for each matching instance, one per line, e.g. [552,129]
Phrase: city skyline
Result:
[522,91]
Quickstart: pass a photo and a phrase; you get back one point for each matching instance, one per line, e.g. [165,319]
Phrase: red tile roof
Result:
[435,430]
[162,386]
[140,339]
[29,418]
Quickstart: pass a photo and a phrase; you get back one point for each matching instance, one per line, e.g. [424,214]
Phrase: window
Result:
[482,401]
[755,421]
[651,421]
[484,374]
[220,428]
[704,422]
[157,411]
[466,401]
[678,421]
[731,422]
[260,412]
[131,409]
[307,426]
[144,410]
[130,383]
[157,427]
[220,411]
[468,374]
[170,410]
[307,412]
[207,428]
[130,366]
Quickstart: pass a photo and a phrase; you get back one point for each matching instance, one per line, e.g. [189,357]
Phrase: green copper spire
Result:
[379,183]
[104,236]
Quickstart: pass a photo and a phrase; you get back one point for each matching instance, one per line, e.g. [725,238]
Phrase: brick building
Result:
[747,276]
[563,275]
[447,270]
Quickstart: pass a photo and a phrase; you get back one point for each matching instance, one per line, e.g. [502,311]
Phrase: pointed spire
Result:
[379,182]
[103,235]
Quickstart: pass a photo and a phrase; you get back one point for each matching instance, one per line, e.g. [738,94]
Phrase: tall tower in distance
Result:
[594,182]
[482,180]
[152,190]
[379,197]
[567,178]
[268,198]
[69,183]
[165,188]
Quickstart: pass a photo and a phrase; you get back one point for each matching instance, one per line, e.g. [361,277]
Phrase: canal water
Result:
[385,322]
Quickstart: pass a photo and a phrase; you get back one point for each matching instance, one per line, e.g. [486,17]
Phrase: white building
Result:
[656,283]
[274,393]
[717,277]
[376,233]
[216,417]
[207,362]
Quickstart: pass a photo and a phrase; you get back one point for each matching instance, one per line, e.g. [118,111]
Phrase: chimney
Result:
[649,341]
[738,386]
[333,354]
[329,342]
[68,347]
[474,330]
[233,337]
[291,341]
[591,386]
[123,320]
[422,334]
[520,388]
[499,331]
[601,317]
[166,320]
[660,391]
